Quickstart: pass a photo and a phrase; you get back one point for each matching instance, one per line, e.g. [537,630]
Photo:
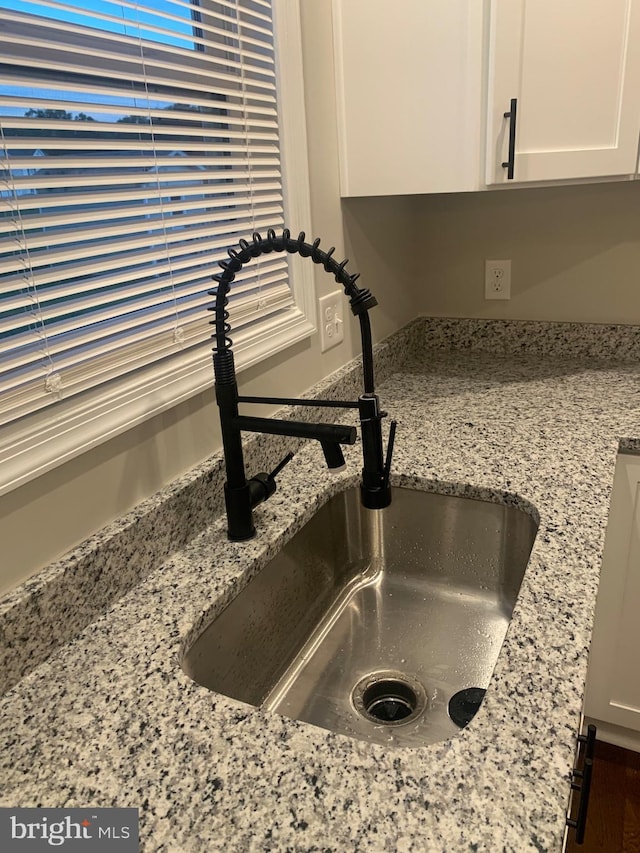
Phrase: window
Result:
[138,141]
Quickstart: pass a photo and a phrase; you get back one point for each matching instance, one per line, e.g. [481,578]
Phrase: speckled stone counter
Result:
[110,718]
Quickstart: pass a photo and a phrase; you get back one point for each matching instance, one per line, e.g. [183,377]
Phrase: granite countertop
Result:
[110,719]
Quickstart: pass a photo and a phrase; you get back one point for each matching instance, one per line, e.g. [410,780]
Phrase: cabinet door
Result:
[409,95]
[613,683]
[574,69]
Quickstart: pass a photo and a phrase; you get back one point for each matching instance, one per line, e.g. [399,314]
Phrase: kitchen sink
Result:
[383,625]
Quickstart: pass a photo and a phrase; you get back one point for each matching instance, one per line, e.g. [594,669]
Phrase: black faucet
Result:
[241,495]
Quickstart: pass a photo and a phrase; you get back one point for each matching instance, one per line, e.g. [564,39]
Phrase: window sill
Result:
[56,435]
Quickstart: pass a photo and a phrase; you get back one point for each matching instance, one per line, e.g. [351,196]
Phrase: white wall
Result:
[42,520]
[575,252]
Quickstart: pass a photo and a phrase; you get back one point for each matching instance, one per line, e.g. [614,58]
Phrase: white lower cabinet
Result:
[613,681]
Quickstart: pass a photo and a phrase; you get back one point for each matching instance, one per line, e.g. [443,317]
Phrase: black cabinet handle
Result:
[584,775]
[511,115]
[590,740]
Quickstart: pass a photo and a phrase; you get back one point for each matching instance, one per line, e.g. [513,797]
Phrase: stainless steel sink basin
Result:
[368,622]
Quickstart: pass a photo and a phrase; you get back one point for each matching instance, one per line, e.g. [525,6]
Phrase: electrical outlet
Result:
[331,319]
[497,279]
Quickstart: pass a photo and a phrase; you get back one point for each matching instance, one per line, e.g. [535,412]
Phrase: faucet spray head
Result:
[333,456]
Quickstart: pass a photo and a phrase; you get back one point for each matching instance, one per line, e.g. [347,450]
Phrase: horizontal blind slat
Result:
[121,46]
[158,222]
[196,92]
[249,27]
[89,216]
[101,274]
[36,182]
[32,397]
[92,130]
[225,75]
[209,124]
[86,347]
[131,295]
[235,143]
[67,253]
[142,162]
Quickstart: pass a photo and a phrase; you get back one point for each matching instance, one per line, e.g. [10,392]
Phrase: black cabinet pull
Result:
[584,775]
[590,740]
[511,115]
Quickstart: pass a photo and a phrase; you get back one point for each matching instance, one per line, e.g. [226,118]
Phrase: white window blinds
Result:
[138,141]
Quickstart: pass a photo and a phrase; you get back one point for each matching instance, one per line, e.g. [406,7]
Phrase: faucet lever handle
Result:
[263,485]
[387,462]
[284,461]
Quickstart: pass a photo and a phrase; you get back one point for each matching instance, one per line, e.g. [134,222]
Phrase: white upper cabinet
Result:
[409,95]
[574,70]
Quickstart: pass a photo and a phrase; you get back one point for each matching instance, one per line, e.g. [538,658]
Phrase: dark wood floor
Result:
[613,822]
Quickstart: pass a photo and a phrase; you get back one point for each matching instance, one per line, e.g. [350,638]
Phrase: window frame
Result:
[37,443]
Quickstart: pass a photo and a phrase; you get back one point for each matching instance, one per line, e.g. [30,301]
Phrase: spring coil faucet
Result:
[242,495]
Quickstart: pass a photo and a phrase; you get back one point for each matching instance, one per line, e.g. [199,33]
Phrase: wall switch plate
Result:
[497,279]
[331,319]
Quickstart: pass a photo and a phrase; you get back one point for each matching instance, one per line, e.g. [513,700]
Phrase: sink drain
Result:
[389,698]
